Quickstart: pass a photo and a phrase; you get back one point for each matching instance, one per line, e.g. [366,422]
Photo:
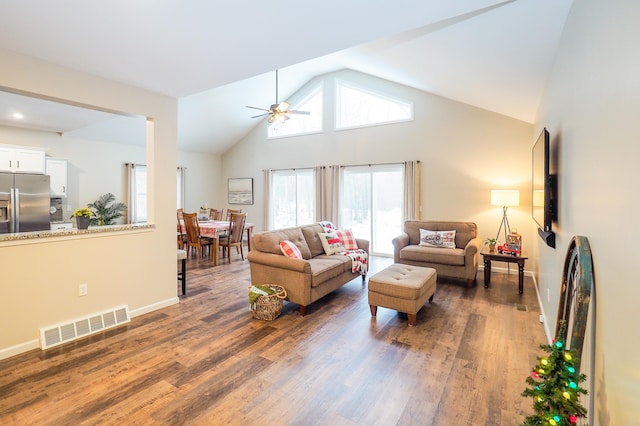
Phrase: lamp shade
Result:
[505,197]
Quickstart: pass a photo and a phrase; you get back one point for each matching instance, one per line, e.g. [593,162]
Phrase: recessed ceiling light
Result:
[18,116]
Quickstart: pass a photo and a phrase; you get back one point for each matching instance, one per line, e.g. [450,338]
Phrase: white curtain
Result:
[320,184]
[131,192]
[182,171]
[266,177]
[332,211]
[412,204]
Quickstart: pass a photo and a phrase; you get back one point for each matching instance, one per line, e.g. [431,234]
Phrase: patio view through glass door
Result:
[371,204]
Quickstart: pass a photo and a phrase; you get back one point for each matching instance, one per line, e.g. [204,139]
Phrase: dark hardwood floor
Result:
[207,361]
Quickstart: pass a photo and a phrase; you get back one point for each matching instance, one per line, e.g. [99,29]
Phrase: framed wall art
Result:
[240,191]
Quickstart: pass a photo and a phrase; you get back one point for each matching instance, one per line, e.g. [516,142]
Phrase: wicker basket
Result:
[269,307]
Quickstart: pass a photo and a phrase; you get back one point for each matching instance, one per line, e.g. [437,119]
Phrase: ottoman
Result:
[404,288]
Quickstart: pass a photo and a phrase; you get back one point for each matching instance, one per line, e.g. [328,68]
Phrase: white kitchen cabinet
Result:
[57,171]
[20,160]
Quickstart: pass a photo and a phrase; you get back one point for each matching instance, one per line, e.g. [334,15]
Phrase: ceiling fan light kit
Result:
[279,111]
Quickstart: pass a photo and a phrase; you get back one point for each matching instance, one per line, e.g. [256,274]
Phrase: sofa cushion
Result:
[269,241]
[438,239]
[465,231]
[289,249]
[433,255]
[340,258]
[310,233]
[323,268]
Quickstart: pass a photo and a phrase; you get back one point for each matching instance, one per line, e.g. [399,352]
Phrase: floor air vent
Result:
[67,332]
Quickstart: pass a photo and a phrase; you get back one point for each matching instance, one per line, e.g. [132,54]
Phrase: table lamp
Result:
[505,198]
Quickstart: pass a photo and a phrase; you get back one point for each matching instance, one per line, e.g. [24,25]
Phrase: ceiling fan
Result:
[279,111]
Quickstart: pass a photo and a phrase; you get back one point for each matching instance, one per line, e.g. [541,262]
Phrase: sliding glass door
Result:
[292,198]
[371,204]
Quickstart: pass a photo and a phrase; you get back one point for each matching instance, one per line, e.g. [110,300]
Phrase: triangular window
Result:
[359,107]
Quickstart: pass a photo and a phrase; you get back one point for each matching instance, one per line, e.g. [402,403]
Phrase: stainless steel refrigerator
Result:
[24,203]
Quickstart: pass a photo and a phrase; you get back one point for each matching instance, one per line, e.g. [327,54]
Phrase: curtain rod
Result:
[293,169]
[339,165]
[376,164]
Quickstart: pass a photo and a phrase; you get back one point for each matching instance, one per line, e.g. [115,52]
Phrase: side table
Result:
[488,256]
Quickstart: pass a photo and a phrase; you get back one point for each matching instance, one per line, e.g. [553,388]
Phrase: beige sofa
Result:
[306,280]
[459,262]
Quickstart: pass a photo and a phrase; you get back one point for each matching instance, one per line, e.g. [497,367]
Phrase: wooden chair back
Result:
[233,236]
[216,214]
[232,211]
[192,228]
[236,227]
[194,237]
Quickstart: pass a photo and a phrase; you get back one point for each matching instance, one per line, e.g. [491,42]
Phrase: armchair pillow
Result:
[439,239]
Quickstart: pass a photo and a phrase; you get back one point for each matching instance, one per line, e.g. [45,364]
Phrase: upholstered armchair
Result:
[460,261]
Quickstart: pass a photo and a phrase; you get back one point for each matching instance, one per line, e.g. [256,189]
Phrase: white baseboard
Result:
[18,349]
[153,307]
[35,344]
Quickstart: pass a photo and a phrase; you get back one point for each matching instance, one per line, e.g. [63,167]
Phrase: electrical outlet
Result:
[83,289]
[541,318]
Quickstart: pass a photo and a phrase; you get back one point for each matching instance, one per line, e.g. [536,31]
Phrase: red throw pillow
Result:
[348,240]
[290,250]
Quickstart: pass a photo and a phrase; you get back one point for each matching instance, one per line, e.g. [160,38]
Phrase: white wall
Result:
[591,107]
[40,279]
[465,152]
[203,180]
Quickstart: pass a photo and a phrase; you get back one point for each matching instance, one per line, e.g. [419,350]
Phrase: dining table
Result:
[215,228]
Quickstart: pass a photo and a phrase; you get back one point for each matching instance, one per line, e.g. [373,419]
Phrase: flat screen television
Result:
[542,189]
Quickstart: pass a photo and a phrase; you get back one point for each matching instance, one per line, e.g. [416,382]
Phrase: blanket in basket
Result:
[359,257]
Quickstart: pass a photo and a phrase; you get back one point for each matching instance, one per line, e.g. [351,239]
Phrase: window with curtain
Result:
[292,198]
[137,197]
[371,204]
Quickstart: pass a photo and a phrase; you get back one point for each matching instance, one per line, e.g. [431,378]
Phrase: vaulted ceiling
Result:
[216,57]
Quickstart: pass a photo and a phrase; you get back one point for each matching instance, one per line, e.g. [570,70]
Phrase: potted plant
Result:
[105,212]
[83,217]
[492,244]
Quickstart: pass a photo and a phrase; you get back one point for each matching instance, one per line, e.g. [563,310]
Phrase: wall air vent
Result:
[73,330]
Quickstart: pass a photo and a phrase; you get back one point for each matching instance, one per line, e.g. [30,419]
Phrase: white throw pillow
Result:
[439,239]
[331,243]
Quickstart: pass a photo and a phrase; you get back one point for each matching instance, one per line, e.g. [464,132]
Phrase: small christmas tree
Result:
[554,386]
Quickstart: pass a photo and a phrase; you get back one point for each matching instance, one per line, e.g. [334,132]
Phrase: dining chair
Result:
[230,212]
[194,237]
[233,238]
[182,235]
[216,214]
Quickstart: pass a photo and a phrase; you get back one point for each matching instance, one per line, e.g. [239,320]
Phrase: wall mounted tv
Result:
[543,189]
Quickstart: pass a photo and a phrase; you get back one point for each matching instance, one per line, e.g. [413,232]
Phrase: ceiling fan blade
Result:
[282,107]
[298,112]
[261,115]
[261,109]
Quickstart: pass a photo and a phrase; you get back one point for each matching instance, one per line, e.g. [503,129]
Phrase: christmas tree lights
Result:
[554,387]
